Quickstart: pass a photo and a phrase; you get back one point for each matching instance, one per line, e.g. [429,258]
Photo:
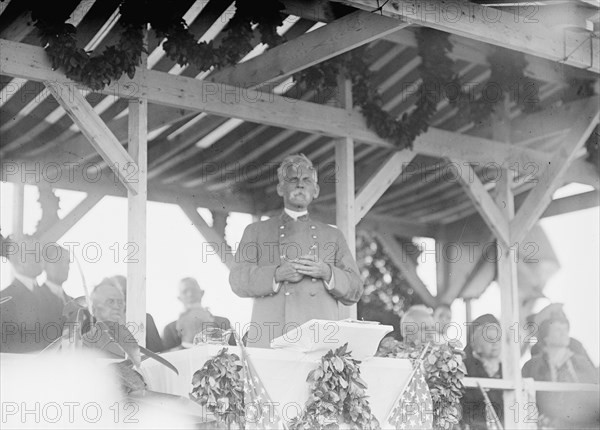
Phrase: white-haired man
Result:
[295,268]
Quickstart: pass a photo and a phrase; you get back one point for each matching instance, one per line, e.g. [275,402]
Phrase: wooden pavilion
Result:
[213,140]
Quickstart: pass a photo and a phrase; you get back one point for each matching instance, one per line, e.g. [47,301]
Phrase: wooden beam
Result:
[335,38]
[476,52]
[136,219]
[98,134]
[255,106]
[374,188]
[552,177]
[408,268]
[58,230]
[484,203]
[215,240]
[570,204]
[66,173]
[495,27]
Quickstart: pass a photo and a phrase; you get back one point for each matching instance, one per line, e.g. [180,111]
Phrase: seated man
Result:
[190,295]
[295,268]
[108,303]
[418,327]
[482,361]
[20,317]
[558,363]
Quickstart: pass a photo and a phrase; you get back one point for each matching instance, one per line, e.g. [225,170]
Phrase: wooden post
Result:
[344,187]
[468,311]
[136,218]
[515,408]
[509,302]
[18,209]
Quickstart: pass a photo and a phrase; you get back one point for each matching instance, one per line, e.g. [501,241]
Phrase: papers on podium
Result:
[314,336]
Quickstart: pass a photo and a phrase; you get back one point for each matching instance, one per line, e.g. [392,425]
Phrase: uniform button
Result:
[314,237]
[282,256]
[282,235]
[314,280]
[281,227]
[312,294]
[312,227]
[287,293]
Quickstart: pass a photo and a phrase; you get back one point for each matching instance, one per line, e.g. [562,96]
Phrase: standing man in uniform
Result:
[295,268]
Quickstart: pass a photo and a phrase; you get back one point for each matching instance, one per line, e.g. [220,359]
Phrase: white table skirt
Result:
[283,374]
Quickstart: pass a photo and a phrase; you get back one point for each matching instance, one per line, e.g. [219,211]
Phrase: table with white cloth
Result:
[283,373]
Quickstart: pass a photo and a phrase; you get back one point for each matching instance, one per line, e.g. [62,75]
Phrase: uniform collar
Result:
[289,215]
[30,283]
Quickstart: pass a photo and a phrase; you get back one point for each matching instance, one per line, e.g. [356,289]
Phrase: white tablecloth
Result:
[284,375]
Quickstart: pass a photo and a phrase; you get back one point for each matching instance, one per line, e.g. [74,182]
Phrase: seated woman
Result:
[482,361]
[558,363]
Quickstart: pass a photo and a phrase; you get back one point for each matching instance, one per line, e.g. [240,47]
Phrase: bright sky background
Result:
[175,251]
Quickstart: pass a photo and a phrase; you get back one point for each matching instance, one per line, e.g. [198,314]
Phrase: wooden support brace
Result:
[552,177]
[493,217]
[96,131]
[215,240]
[56,231]
[374,188]
[408,268]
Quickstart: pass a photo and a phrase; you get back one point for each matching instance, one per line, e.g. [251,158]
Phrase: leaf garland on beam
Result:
[435,70]
[97,72]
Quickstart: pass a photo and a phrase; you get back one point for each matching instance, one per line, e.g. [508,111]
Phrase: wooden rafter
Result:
[335,38]
[475,21]
[162,88]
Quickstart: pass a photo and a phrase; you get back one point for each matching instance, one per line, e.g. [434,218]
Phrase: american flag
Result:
[261,412]
[414,407]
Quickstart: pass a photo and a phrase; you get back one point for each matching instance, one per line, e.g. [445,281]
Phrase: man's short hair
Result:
[294,159]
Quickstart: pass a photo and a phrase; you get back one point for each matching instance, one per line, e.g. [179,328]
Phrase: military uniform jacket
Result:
[263,247]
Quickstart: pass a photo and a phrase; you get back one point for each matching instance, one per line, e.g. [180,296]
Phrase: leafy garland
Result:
[444,371]
[435,70]
[337,391]
[219,386]
[97,72]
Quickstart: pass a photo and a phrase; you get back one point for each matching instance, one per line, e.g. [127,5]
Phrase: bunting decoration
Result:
[260,409]
[414,409]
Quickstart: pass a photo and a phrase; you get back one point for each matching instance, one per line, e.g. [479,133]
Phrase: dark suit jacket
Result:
[473,405]
[262,248]
[51,312]
[22,329]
